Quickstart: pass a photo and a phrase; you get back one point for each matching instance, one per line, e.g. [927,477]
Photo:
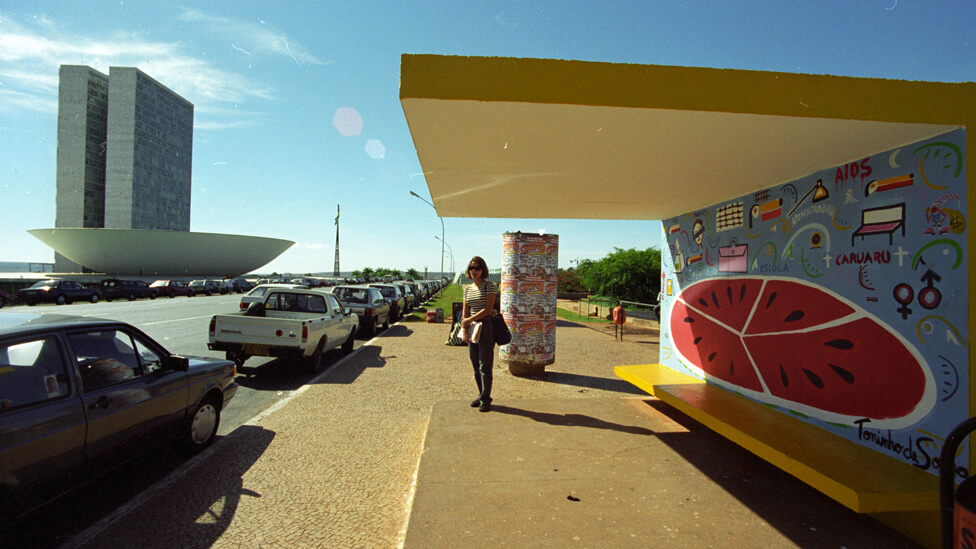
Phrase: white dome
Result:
[137,252]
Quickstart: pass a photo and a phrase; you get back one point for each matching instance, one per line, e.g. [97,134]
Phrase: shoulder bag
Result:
[502,334]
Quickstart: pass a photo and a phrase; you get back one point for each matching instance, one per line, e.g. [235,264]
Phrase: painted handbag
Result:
[733,258]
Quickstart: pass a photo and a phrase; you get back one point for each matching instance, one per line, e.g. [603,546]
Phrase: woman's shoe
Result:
[475,403]
[484,407]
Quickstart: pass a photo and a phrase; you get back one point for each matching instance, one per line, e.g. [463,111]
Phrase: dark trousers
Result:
[482,356]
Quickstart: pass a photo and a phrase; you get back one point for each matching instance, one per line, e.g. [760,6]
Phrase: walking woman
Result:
[479,302]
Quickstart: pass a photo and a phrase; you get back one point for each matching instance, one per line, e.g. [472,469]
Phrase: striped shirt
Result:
[476,297]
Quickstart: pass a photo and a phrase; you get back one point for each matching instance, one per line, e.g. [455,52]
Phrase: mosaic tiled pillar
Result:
[528,291]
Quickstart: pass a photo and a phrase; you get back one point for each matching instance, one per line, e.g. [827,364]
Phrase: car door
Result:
[72,290]
[380,305]
[127,391]
[342,325]
[41,417]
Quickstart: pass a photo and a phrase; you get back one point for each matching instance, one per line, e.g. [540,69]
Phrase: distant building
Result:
[125,150]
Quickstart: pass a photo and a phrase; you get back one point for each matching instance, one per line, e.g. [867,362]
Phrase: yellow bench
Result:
[859,478]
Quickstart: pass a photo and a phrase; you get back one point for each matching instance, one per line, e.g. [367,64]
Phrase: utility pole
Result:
[335,270]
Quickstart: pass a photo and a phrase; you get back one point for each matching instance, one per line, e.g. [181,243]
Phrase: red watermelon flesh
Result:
[712,347]
[788,306]
[727,300]
[851,369]
[807,345]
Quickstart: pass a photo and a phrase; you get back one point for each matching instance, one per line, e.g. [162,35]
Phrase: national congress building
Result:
[125,151]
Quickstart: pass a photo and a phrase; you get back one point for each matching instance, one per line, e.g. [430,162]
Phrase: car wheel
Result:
[314,362]
[386,323]
[370,328]
[189,293]
[31,303]
[131,296]
[60,300]
[94,298]
[2,302]
[349,342]
[172,294]
[152,295]
[201,430]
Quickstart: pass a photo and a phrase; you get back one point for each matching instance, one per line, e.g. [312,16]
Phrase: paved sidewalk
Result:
[337,465]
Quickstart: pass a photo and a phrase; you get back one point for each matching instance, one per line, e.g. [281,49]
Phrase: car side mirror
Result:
[178,363]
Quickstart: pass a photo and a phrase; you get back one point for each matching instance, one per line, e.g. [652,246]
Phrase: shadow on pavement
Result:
[591,382]
[203,508]
[795,509]
[368,356]
[571,420]
[398,330]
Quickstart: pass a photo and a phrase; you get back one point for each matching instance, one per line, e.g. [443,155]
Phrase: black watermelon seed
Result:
[772,297]
[711,357]
[782,375]
[844,374]
[814,378]
[703,302]
[742,293]
[843,344]
[715,300]
[698,340]
[795,315]
[689,320]
[731,369]
[729,292]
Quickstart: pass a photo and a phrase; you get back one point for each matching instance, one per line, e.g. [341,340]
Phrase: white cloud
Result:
[30,58]
[252,38]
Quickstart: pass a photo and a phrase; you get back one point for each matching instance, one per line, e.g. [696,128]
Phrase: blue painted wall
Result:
[840,298]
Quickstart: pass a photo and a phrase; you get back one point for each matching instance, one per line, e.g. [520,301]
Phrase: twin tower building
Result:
[125,150]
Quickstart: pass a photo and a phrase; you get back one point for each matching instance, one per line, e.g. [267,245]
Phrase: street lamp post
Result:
[442,229]
[449,251]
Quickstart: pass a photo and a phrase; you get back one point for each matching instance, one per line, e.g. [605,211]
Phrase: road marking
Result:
[175,320]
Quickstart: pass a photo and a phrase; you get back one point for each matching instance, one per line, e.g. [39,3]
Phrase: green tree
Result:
[631,275]
[413,273]
[569,281]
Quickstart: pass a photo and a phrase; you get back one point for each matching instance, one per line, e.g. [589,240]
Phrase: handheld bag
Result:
[502,335]
[733,258]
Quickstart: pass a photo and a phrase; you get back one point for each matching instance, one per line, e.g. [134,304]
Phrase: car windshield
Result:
[352,295]
[159,283]
[44,284]
[386,291]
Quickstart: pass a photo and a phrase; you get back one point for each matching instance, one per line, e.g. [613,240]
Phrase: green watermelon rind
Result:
[922,408]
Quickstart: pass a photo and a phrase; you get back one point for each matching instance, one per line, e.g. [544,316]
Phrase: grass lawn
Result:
[448,295]
[454,293]
[572,316]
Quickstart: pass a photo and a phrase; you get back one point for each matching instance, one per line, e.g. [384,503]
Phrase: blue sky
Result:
[268,78]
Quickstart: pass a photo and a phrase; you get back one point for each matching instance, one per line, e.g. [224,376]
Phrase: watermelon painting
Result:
[800,346]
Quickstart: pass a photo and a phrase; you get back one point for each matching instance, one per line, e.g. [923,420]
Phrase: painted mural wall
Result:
[840,298]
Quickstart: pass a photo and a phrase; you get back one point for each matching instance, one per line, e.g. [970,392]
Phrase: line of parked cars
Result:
[78,394]
[62,292]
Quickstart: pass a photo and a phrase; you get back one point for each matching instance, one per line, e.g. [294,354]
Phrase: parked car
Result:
[78,393]
[171,288]
[205,287]
[368,303]
[242,285]
[57,291]
[393,296]
[300,323]
[112,288]
[4,298]
[409,300]
[257,294]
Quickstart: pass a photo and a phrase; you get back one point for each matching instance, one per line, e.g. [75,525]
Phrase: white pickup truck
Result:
[290,322]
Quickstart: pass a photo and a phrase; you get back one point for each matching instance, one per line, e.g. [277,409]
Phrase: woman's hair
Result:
[481,262]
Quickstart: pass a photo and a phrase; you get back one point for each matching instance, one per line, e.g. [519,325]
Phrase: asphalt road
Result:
[180,324]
